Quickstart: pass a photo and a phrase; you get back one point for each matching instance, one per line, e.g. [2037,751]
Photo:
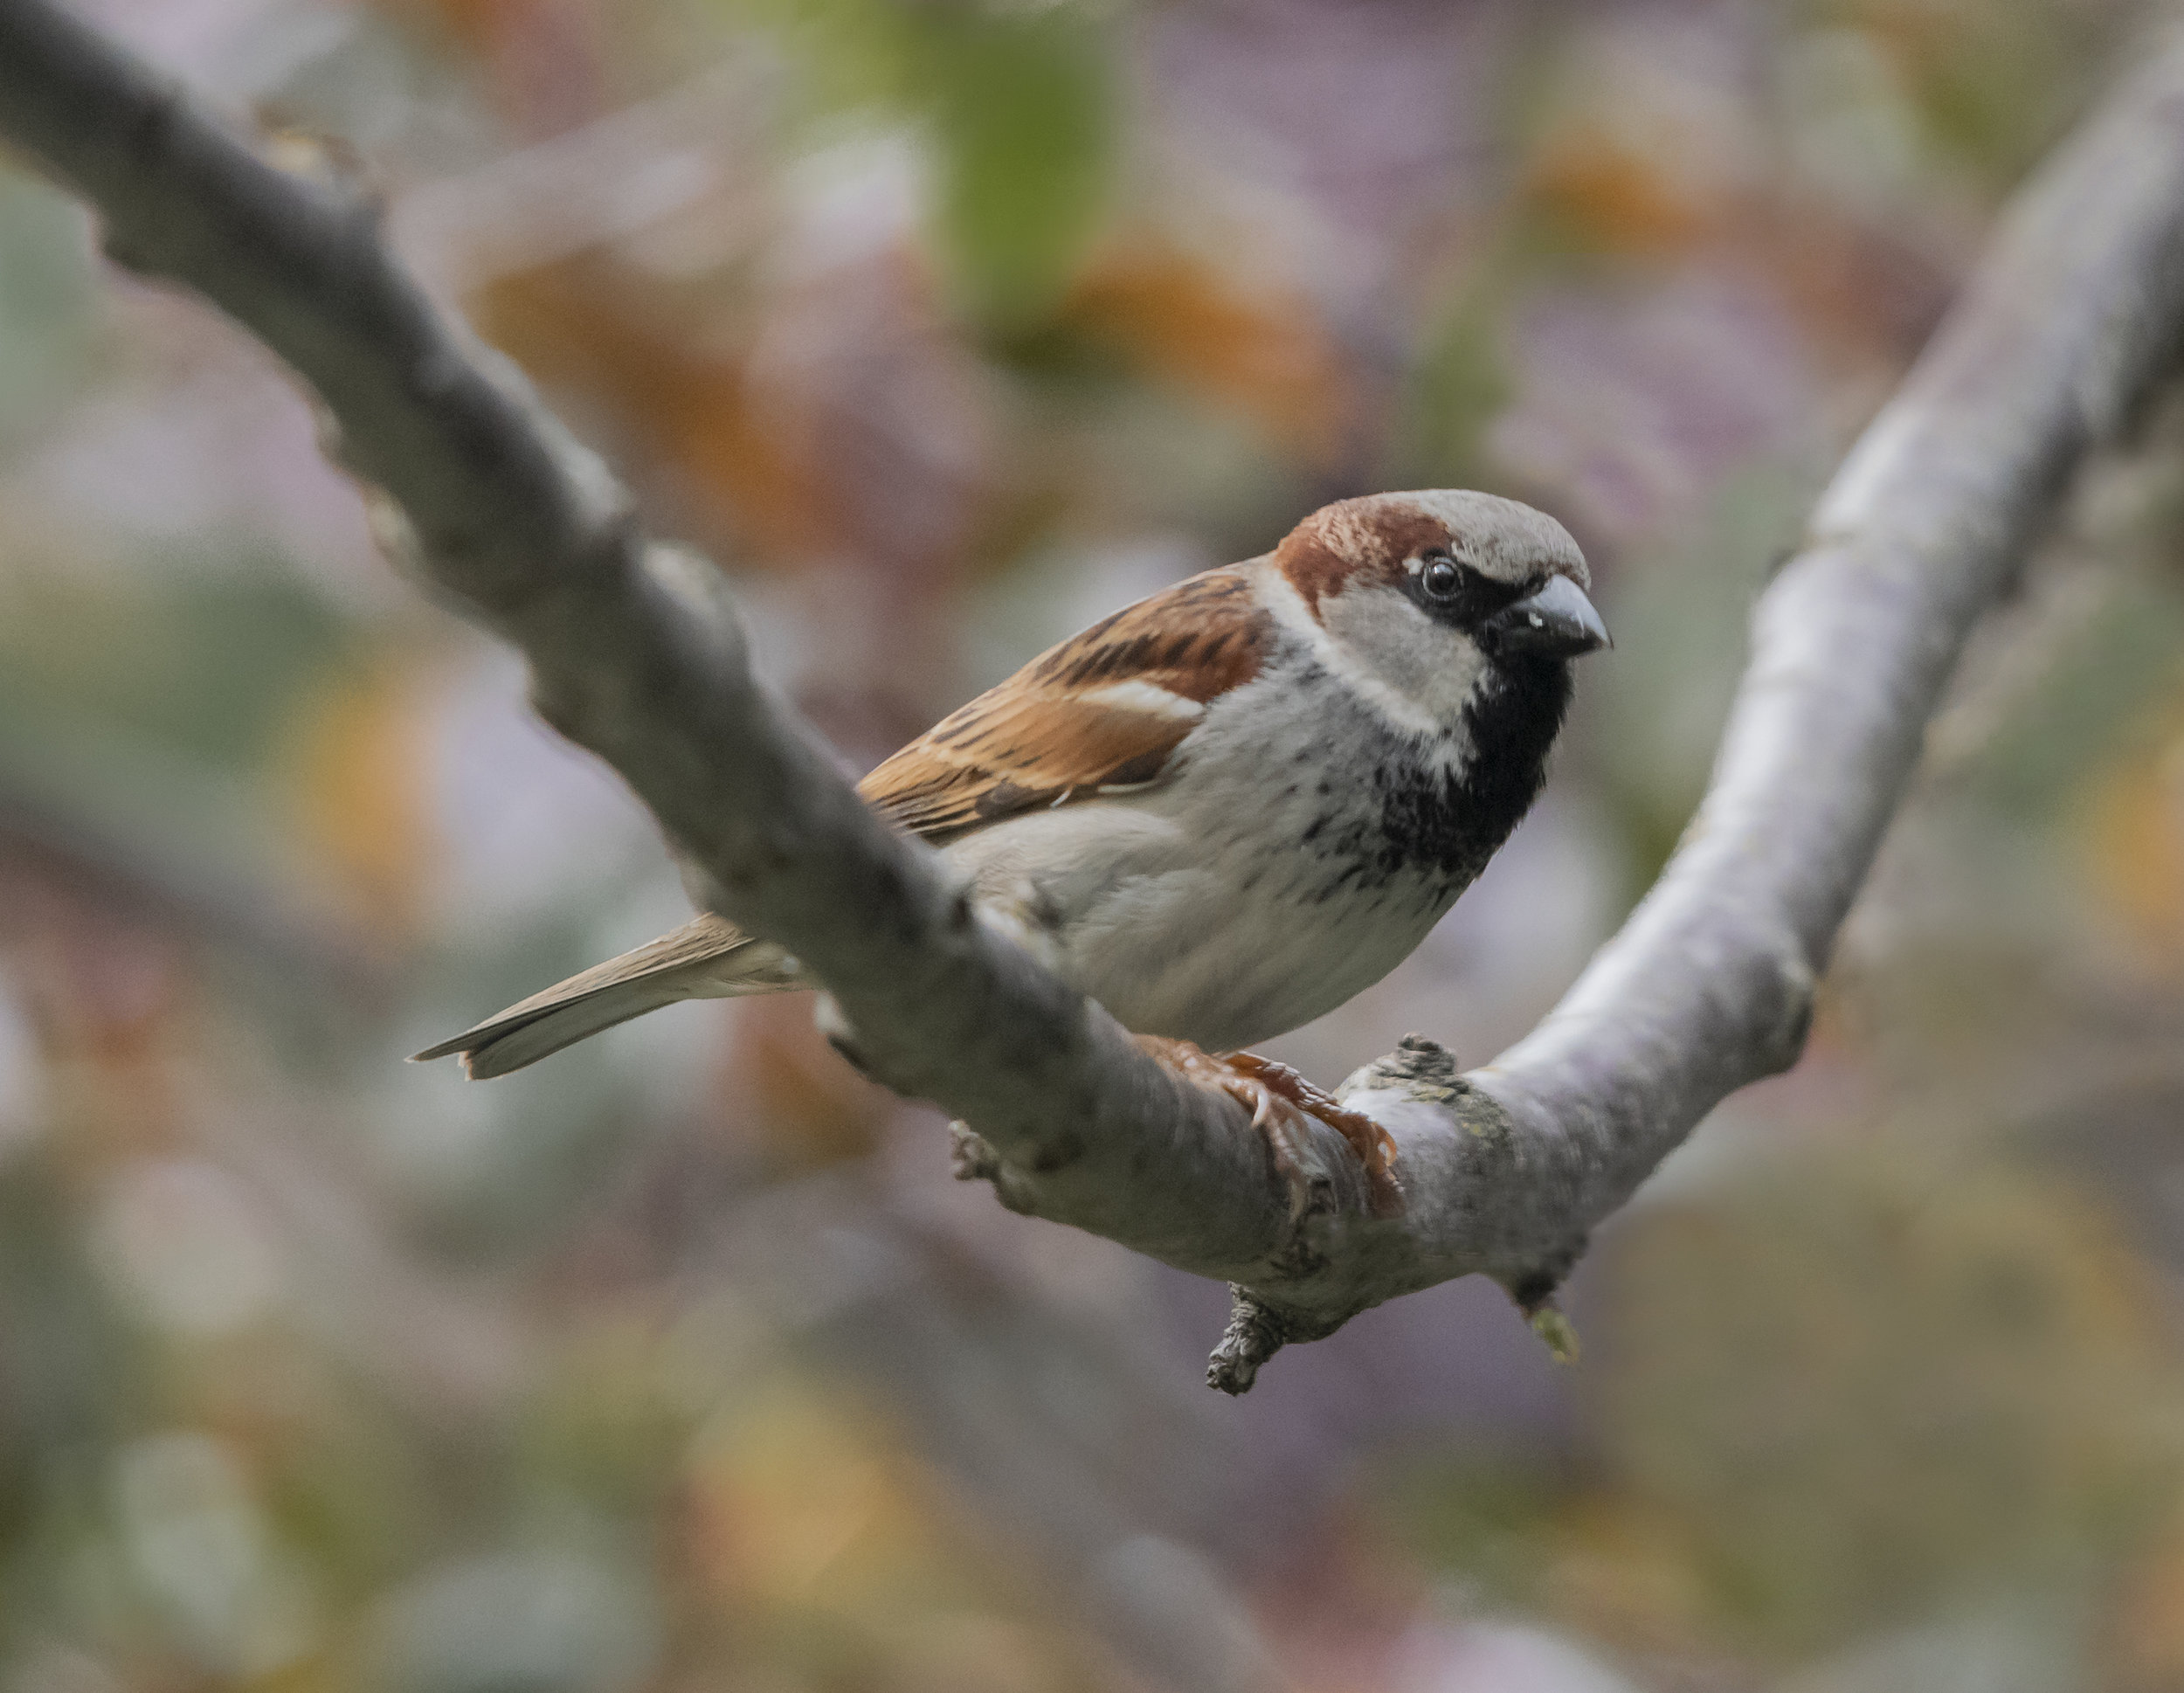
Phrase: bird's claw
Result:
[1279,1099]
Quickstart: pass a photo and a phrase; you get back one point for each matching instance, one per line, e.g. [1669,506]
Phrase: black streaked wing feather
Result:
[1104,710]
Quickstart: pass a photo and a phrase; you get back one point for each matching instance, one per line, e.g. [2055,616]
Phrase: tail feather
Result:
[706,958]
[510,1042]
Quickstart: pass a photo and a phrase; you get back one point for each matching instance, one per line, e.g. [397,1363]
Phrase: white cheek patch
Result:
[1337,656]
[1416,671]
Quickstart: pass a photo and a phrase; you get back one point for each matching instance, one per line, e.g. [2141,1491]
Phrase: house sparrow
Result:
[1226,808]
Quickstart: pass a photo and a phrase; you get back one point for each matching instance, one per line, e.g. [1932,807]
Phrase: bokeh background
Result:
[680,1363]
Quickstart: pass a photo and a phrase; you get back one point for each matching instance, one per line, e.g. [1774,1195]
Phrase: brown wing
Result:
[1100,713]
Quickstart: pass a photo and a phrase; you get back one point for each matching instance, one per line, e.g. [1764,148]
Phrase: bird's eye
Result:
[1440,580]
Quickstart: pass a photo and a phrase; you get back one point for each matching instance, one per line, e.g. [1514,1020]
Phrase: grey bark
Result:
[635,655]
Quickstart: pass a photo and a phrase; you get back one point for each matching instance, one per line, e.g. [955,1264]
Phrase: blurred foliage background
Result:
[678,1362]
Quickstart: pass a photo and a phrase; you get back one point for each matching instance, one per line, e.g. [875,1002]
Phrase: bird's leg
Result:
[1277,1119]
[1280,1099]
[1261,1080]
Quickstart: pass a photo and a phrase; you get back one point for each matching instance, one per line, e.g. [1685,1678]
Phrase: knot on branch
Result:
[971,1158]
[1255,1334]
[1535,1297]
[1420,1068]
[1256,1331]
[1796,984]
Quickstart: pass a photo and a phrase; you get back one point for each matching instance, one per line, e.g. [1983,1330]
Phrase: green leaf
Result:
[1021,124]
[1015,104]
[47,301]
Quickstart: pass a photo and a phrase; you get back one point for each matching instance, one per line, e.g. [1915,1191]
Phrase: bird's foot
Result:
[1263,1082]
[1280,1099]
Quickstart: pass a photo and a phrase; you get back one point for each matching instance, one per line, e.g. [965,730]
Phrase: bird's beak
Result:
[1558,621]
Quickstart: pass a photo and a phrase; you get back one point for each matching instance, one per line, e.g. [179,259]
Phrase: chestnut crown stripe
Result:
[1340,547]
[1104,710]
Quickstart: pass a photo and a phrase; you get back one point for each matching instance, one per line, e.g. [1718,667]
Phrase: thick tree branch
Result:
[633,656]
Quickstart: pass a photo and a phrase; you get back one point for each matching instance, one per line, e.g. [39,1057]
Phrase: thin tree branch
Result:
[1708,987]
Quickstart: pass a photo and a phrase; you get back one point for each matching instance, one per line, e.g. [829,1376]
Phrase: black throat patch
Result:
[1450,825]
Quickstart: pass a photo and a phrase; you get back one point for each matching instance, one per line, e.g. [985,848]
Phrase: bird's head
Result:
[1432,594]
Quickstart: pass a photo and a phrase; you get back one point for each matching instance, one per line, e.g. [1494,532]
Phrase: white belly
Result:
[1226,932]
